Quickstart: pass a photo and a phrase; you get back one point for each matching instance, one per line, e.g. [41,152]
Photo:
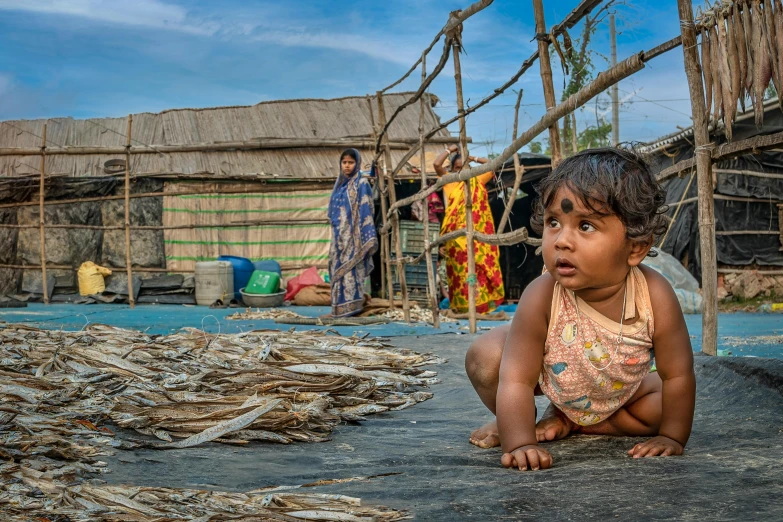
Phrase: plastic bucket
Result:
[268,265]
[214,280]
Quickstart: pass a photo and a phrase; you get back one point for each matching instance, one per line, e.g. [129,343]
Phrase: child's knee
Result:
[482,361]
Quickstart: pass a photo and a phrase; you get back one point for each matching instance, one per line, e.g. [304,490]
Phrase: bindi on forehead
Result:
[566,205]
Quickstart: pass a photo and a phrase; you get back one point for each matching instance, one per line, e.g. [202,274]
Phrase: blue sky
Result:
[95,58]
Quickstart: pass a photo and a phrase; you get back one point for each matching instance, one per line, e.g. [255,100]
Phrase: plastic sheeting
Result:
[686,287]
[762,215]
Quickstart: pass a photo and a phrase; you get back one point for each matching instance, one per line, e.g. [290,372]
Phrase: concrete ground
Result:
[731,469]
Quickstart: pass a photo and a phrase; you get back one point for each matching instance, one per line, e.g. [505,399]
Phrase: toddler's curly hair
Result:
[610,180]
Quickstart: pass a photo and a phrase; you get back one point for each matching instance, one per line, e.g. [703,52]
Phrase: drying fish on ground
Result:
[199,387]
[273,313]
[417,314]
[63,396]
[47,490]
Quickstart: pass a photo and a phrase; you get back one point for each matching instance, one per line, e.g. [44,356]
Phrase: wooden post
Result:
[41,220]
[703,153]
[387,168]
[519,171]
[463,139]
[385,239]
[383,209]
[546,79]
[433,290]
[131,299]
[574,142]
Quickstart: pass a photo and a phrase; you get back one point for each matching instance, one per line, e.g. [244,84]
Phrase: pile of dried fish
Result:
[58,390]
[418,315]
[260,385]
[741,51]
[272,313]
[44,490]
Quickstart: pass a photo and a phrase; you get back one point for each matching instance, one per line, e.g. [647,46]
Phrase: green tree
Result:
[580,66]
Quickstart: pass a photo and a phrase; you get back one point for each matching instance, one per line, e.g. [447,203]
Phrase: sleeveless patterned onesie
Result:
[588,373]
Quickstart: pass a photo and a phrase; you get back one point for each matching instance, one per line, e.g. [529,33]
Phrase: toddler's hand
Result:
[533,456]
[660,445]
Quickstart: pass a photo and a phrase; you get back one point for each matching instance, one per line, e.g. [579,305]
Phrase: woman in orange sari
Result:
[489,280]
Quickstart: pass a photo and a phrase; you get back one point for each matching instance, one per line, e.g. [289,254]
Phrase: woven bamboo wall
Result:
[294,246]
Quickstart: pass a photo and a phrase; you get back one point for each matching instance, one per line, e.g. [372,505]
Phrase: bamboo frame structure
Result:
[457,48]
[432,287]
[383,243]
[702,162]
[42,218]
[395,218]
[546,78]
[709,280]
[247,145]
[131,298]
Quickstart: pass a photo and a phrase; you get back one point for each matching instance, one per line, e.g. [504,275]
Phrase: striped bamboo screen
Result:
[295,247]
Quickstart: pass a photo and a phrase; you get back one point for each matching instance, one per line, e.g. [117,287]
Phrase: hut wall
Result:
[295,246]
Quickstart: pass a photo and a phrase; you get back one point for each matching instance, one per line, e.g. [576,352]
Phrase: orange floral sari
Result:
[489,279]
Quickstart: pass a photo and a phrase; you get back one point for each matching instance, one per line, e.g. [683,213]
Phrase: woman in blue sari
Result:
[354,239]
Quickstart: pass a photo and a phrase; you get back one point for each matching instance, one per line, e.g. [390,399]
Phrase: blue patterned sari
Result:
[354,241]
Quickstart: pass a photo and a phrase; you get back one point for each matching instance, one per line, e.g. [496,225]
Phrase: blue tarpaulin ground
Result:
[739,334]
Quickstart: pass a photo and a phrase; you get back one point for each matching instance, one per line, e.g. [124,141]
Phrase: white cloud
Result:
[145,13]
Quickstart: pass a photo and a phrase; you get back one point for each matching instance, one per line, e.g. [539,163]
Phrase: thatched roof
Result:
[307,119]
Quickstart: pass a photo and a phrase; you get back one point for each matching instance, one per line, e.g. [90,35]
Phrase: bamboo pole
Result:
[509,238]
[709,264]
[41,217]
[131,299]
[468,193]
[677,210]
[519,171]
[726,151]
[256,144]
[388,296]
[622,70]
[574,143]
[385,239]
[432,287]
[242,224]
[579,12]
[546,78]
[395,220]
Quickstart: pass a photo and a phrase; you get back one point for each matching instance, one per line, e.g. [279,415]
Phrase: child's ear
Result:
[639,250]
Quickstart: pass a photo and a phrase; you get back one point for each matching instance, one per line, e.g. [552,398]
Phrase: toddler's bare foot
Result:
[554,425]
[486,436]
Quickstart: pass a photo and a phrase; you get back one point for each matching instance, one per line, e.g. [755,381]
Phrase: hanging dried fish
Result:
[717,88]
[742,51]
[729,101]
[734,67]
[762,72]
[747,27]
[706,67]
[771,39]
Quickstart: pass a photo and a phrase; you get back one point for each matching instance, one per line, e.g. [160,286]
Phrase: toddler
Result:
[586,331]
